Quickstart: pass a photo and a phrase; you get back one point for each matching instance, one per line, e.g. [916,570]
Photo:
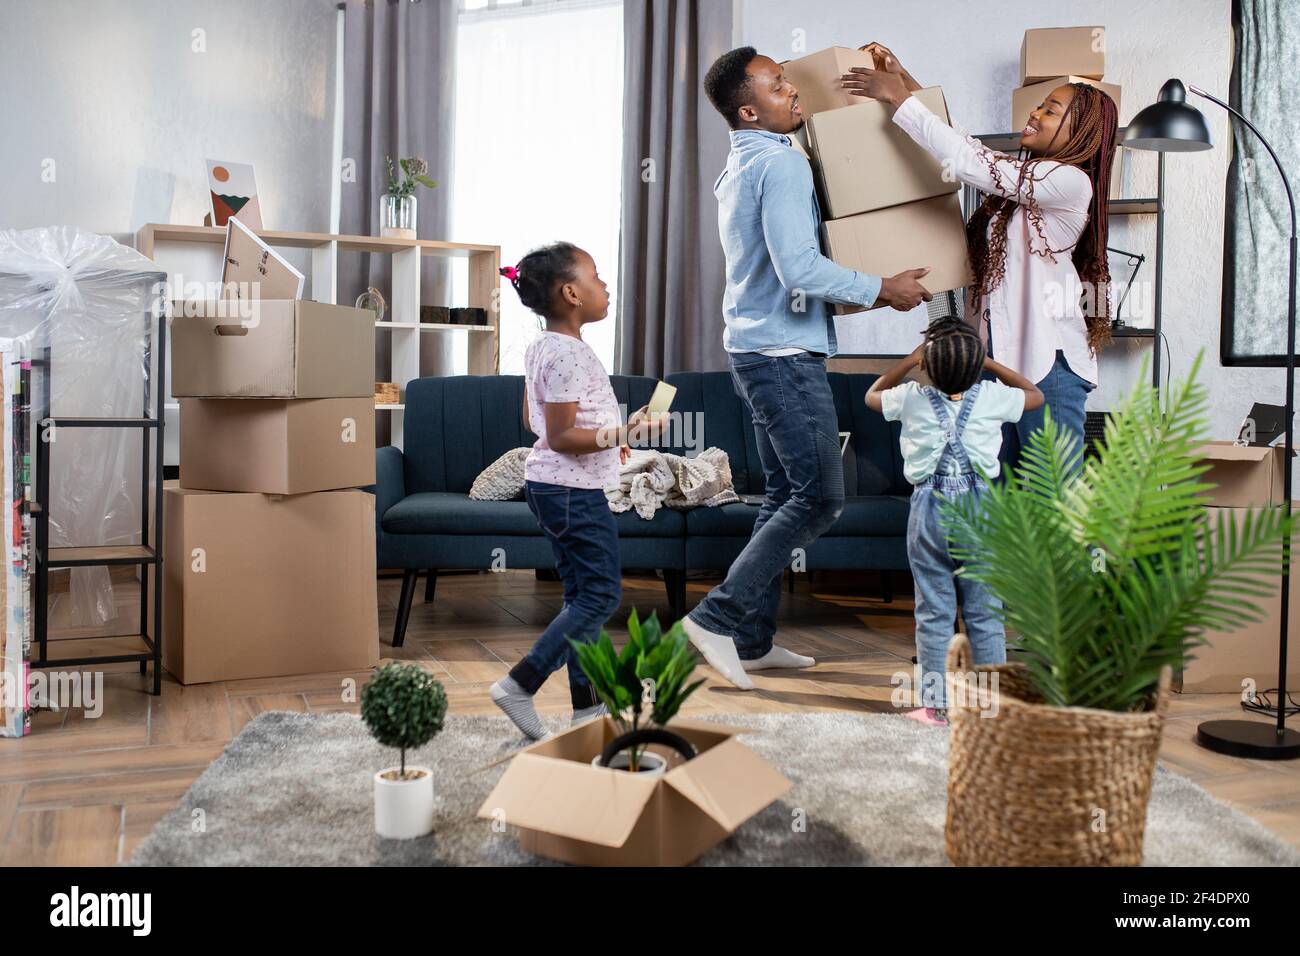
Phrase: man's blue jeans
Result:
[797,432]
[584,538]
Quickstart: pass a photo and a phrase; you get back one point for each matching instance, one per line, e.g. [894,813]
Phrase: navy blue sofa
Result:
[456,426]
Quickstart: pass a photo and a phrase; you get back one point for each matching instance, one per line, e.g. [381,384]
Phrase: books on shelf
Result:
[16,617]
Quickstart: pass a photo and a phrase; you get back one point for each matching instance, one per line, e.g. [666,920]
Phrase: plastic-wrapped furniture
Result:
[85,315]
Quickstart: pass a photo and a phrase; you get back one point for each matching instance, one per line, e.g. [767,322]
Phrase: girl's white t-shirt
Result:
[560,368]
[923,440]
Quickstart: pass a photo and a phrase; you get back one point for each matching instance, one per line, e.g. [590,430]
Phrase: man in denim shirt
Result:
[779,333]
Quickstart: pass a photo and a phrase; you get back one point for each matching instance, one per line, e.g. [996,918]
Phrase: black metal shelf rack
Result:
[145,646]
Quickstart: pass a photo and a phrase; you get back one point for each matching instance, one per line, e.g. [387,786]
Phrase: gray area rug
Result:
[295,790]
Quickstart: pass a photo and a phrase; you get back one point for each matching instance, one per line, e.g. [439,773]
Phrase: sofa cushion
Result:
[874,516]
[449,512]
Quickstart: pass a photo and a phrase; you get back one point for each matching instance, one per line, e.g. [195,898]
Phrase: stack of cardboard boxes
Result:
[270,550]
[887,204]
[1054,57]
[1246,478]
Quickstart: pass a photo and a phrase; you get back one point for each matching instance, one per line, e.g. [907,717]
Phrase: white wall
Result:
[116,95]
[972,50]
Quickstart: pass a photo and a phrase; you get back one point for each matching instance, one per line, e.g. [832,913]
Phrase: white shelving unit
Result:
[159,242]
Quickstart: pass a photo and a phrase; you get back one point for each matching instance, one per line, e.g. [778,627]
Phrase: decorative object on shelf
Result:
[388,393]
[397,207]
[650,673]
[469,316]
[1052,756]
[373,300]
[1170,125]
[232,194]
[435,315]
[404,707]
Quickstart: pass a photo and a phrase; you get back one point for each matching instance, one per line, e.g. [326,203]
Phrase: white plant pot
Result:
[404,808]
[652,764]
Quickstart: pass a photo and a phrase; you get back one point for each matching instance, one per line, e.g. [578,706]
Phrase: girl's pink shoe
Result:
[929,716]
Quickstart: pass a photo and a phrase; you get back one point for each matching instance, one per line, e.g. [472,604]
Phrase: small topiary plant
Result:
[404,706]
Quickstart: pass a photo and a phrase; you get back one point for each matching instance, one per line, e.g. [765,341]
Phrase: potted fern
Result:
[1108,576]
[404,707]
[643,688]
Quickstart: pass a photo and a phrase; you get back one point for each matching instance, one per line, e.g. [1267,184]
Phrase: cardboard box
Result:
[1246,475]
[263,586]
[275,348]
[888,241]
[817,78]
[1058,51]
[566,809]
[865,162]
[1025,99]
[279,446]
[1250,652]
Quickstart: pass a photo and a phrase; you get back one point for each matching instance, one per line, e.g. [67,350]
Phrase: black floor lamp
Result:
[1170,125]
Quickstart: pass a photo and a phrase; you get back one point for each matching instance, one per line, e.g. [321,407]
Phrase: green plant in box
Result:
[1109,575]
[404,707]
[645,684]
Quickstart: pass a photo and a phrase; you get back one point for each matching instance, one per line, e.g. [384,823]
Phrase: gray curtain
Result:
[399,71]
[674,146]
[1258,228]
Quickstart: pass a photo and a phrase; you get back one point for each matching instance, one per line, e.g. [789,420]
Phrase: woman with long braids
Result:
[1038,243]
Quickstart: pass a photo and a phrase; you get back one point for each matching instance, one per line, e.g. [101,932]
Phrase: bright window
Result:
[538,142]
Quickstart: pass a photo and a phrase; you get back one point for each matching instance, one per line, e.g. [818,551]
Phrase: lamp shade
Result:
[1169,125]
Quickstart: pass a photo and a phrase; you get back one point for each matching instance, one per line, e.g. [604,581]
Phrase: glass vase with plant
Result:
[397,210]
[643,687]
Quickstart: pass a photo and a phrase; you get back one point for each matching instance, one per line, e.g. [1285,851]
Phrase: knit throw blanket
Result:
[650,479]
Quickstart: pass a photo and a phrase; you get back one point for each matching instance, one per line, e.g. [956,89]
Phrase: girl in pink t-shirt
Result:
[570,406]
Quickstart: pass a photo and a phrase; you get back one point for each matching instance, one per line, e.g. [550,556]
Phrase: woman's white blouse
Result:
[1036,309]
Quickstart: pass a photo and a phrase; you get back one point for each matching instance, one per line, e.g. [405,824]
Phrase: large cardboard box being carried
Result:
[865,162]
[1245,476]
[566,809]
[264,586]
[1057,51]
[274,348]
[1248,654]
[888,241]
[280,446]
[817,78]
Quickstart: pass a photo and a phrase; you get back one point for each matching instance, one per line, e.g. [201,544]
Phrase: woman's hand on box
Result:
[876,84]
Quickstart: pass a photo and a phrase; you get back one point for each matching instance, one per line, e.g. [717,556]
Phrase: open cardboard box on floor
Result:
[267,586]
[566,809]
[1244,476]
[865,162]
[930,232]
[817,78]
[279,446]
[272,348]
[1055,51]
[1250,652]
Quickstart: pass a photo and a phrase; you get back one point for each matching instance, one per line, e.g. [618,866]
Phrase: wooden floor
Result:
[82,791]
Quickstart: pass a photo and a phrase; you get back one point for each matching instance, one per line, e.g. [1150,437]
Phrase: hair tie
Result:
[510,272]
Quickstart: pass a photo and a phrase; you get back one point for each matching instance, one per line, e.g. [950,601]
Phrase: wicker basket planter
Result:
[388,393]
[1035,785]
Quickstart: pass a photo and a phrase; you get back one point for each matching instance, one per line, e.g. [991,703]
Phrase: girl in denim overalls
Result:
[951,436]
